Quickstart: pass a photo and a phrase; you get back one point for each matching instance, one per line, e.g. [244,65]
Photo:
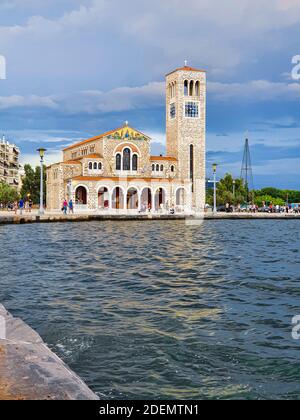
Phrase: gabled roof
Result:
[121,132]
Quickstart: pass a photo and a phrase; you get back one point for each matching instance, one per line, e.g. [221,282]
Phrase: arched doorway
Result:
[160,199]
[118,198]
[81,195]
[146,200]
[132,199]
[103,198]
[181,199]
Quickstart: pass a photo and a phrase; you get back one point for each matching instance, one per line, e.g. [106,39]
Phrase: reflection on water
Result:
[161,310]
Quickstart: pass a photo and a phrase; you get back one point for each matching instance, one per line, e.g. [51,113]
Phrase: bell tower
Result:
[186,127]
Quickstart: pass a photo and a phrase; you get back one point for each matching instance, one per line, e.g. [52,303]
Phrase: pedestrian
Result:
[15,207]
[71,206]
[65,206]
[21,206]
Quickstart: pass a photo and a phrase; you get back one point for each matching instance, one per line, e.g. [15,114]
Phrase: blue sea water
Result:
[162,310]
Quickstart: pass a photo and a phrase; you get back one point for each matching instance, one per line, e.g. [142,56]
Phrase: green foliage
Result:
[241,196]
[7,194]
[268,199]
[225,194]
[31,183]
[291,196]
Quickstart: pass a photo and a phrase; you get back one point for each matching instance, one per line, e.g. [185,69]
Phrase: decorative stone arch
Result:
[103,197]
[132,198]
[160,198]
[120,148]
[118,194]
[146,198]
[133,157]
[81,194]
[182,198]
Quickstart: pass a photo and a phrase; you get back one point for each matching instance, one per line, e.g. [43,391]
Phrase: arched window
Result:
[191,88]
[186,84]
[95,166]
[99,166]
[118,162]
[126,159]
[172,168]
[90,166]
[197,88]
[134,163]
[162,168]
[192,166]
[153,167]
[157,168]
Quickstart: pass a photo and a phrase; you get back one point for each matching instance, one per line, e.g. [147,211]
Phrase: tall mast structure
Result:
[246,171]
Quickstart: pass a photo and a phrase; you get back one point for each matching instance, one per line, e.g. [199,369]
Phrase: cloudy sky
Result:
[76,68]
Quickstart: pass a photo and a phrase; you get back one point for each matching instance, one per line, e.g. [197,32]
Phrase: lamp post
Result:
[234,183]
[42,154]
[215,186]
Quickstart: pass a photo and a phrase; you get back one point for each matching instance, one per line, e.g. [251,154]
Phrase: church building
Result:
[115,171]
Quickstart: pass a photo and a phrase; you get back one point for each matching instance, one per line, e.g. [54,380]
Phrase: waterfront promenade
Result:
[53,217]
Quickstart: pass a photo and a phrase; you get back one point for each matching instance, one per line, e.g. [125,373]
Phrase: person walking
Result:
[65,207]
[71,206]
[21,206]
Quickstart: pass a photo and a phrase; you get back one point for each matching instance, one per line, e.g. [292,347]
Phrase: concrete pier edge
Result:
[29,370]
[27,219]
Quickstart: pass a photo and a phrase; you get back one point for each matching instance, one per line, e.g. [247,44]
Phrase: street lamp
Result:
[42,154]
[215,166]
[234,183]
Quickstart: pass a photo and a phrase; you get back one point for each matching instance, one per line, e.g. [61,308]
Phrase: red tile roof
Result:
[169,158]
[72,162]
[186,68]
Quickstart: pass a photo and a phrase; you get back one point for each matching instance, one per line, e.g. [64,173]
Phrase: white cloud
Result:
[256,90]
[145,38]
[30,101]
[151,96]
[52,156]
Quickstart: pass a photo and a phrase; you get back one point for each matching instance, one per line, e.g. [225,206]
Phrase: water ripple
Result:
[160,310]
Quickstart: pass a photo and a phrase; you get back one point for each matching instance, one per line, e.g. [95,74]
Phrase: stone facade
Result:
[115,171]
[186,127]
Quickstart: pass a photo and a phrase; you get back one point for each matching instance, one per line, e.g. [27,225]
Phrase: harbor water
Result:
[162,310]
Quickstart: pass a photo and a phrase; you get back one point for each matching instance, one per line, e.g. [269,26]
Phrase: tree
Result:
[265,195]
[8,194]
[225,188]
[31,183]
[267,200]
